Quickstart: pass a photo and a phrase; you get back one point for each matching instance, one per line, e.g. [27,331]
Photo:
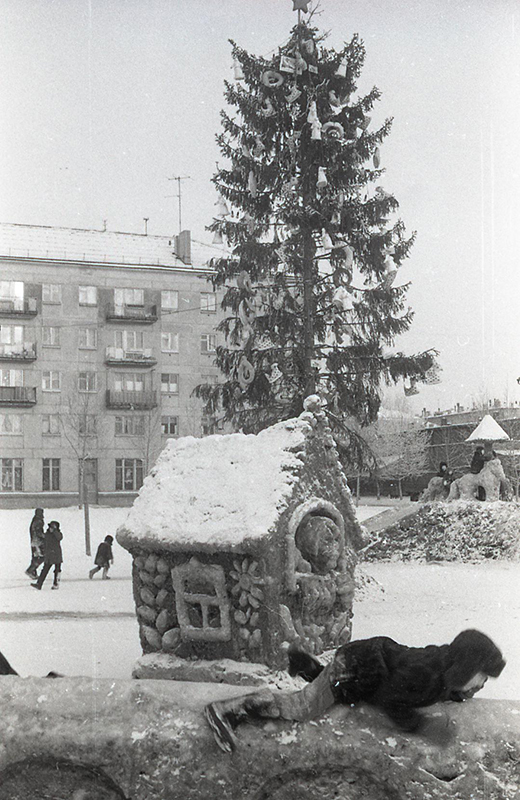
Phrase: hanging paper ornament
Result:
[267,108]
[381,194]
[251,184]
[335,218]
[342,299]
[312,68]
[217,238]
[276,374]
[365,122]
[309,46]
[312,116]
[341,71]
[326,241]
[244,281]
[287,64]
[245,374]
[316,130]
[412,389]
[300,64]
[237,70]
[271,78]
[322,181]
[334,99]
[389,278]
[333,130]
[433,375]
[245,150]
[245,313]
[376,158]
[259,148]
[293,95]
[221,206]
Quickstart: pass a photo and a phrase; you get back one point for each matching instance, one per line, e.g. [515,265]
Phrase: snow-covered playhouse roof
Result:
[221,490]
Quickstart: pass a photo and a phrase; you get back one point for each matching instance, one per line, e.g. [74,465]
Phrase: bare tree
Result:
[400,446]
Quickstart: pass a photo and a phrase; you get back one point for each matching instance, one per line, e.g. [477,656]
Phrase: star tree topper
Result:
[301,5]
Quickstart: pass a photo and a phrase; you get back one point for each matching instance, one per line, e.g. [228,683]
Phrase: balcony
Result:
[117,356]
[131,400]
[17,396]
[17,307]
[120,313]
[18,352]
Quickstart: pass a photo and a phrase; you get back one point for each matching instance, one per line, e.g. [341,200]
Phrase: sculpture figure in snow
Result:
[491,481]
[436,490]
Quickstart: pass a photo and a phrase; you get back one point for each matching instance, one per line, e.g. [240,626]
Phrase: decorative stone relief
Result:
[248,596]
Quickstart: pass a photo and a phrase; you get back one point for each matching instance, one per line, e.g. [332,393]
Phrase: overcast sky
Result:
[103,100]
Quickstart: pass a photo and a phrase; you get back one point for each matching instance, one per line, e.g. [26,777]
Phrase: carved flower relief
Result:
[248,595]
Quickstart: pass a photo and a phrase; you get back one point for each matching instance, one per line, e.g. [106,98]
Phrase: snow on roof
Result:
[97,246]
[489,430]
[219,490]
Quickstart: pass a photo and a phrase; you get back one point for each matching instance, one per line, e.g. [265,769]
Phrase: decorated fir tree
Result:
[311,290]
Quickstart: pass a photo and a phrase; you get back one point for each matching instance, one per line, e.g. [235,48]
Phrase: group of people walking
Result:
[46,552]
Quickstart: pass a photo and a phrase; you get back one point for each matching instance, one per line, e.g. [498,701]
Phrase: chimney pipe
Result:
[183,246]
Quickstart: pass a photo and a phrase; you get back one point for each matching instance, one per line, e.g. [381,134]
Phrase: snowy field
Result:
[89,627]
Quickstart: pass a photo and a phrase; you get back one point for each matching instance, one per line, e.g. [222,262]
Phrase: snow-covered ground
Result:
[89,627]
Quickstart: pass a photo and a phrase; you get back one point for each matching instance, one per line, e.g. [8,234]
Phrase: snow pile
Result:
[219,489]
[455,531]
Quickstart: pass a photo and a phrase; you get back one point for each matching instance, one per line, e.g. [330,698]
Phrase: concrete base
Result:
[148,740]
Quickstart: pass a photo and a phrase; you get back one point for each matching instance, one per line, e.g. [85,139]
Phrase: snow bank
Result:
[219,489]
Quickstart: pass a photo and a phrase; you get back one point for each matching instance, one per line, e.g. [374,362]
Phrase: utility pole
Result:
[179,178]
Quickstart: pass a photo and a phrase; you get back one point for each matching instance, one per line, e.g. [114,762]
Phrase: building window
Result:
[51,381]
[87,382]
[170,342]
[169,383]
[87,296]
[11,377]
[87,339]
[169,300]
[208,302]
[11,424]
[11,334]
[50,336]
[12,474]
[129,341]
[51,293]
[12,295]
[51,475]
[208,343]
[170,426]
[201,601]
[129,297]
[129,426]
[129,474]
[129,382]
[50,424]
[87,425]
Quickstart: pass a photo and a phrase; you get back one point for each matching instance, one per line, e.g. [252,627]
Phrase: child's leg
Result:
[57,570]
[105,572]
[311,701]
[93,572]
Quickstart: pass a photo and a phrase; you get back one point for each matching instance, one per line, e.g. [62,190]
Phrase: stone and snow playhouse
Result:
[242,544]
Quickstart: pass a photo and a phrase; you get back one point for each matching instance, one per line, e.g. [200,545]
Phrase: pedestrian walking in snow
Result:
[52,555]
[103,559]
[37,536]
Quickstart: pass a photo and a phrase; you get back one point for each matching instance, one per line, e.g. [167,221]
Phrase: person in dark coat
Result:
[52,555]
[478,461]
[103,559]
[37,537]
[378,671]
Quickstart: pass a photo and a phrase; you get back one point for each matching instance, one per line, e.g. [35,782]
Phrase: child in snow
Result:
[379,671]
[103,558]
[52,555]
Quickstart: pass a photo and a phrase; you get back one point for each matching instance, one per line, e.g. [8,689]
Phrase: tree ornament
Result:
[271,78]
[251,184]
[287,64]
[217,238]
[381,194]
[334,99]
[316,130]
[259,148]
[267,108]
[276,374]
[335,218]
[244,281]
[341,71]
[246,314]
[341,299]
[301,5]
[222,207]
[433,375]
[237,393]
[312,115]
[300,65]
[412,389]
[293,95]
[245,150]
[376,158]
[333,130]
[237,70]
[389,278]
[322,181]
[246,373]
[326,241]
[364,123]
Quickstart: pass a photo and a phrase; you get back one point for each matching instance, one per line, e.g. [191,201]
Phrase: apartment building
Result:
[103,337]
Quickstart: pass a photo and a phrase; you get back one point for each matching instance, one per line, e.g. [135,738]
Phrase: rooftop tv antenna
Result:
[179,178]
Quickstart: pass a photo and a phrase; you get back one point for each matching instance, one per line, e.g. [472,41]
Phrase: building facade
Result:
[103,338]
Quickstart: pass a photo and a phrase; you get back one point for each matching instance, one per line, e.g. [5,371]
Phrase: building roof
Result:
[42,242]
[219,491]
